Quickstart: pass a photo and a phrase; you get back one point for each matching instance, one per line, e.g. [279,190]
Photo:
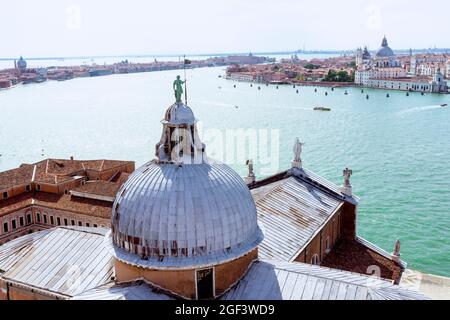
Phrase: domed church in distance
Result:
[184,226]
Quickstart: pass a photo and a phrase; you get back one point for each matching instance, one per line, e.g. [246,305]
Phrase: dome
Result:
[385,51]
[22,64]
[169,216]
[179,113]
[366,54]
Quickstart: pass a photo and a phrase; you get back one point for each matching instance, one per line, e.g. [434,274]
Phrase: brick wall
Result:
[328,236]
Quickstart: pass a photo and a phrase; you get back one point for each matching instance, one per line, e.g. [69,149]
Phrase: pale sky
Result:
[111,27]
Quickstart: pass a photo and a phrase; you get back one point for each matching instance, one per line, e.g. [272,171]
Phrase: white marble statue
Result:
[347,174]
[298,151]
[250,178]
[397,248]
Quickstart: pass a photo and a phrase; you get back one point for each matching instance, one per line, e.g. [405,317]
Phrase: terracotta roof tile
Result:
[96,208]
[16,177]
[102,188]
[92,207]
[16,203]
[353,256]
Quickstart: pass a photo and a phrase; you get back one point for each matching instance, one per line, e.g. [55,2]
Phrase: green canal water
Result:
[398,147]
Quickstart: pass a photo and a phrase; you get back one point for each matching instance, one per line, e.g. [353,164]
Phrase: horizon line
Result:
[319,51]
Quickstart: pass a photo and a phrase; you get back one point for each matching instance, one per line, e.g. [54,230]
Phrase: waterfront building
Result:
[362,56]
[387,71]
[363,76]
[430,68]
[241,76]
[436,84]
[5,83]
[56,192]
[384,65]
[359,57]
[447,67]
[184,226]
[430,62]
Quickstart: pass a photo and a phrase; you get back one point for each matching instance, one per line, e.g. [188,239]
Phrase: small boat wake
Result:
[420,109]
[292,108]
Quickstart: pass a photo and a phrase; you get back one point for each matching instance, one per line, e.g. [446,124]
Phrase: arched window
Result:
[327,245]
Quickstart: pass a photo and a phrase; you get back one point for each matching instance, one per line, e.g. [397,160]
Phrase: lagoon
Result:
[398,147]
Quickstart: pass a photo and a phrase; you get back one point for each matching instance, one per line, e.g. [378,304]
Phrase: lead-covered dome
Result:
[22,64]
[179,113]
[183,216]
[385,51]
[182,210]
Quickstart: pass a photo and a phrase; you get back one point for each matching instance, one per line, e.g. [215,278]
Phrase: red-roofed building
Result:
[59,192]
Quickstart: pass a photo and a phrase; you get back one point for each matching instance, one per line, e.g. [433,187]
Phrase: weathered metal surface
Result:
[270,280]
[132,291]
[289,214]
[185,215]
[63,261]
[321,182]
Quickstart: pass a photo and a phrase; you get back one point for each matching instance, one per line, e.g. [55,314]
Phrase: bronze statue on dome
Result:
[178,88]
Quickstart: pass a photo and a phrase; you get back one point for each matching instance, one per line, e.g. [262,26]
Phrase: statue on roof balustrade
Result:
[347,174]
[297,163]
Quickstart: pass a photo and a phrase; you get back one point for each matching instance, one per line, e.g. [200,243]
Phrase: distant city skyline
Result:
[111,28]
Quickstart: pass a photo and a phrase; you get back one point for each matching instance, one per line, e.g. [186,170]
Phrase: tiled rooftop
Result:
[354,256]
[101,188]
[54,171]
[16,177]
[96,208]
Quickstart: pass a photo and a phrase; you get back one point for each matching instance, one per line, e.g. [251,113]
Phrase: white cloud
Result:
[374,18]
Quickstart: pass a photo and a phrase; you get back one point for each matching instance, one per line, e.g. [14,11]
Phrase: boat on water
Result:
[322,109]
[444,105]
[100,72]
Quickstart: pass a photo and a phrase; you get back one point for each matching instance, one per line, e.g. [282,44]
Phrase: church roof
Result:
[290,211]
[272,280]
[138,290]
[60,262]
[73,263]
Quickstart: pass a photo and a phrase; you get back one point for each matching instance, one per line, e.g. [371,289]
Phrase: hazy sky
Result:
[100,27]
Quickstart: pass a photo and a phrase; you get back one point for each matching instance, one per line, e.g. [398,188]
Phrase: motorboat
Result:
[322,109]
